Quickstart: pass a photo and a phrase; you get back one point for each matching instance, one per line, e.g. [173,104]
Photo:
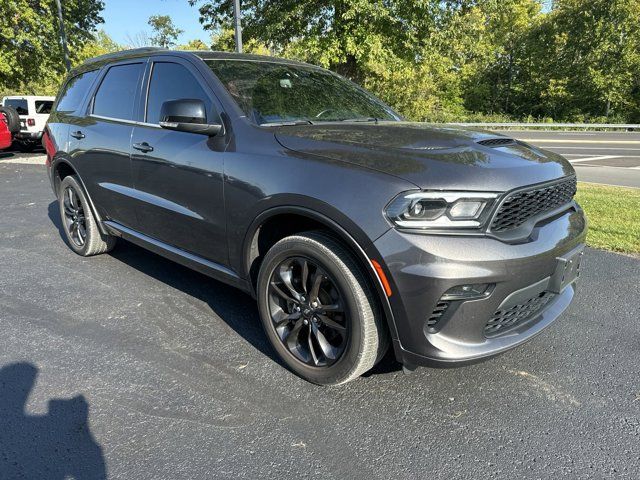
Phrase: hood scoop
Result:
[497,142]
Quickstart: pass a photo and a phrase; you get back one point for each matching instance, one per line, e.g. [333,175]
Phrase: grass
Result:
[614,217]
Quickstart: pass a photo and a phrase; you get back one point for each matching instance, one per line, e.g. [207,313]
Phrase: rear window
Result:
[43,106]
[74,91]
[19,104]
[117,92]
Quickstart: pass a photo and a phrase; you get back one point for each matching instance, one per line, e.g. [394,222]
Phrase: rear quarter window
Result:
[43,106]
[74,91]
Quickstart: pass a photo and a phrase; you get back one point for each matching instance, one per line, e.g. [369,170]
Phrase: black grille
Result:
[503,320]
[497,142]
[521,206]
[437,314]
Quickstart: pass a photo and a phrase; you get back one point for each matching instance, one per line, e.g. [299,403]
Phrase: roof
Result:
[101,60]
[212,55]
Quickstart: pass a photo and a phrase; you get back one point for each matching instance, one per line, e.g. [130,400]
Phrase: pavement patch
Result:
[25,160]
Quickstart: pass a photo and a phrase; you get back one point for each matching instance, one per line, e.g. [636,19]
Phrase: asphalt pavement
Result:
[128,366]
[611,158]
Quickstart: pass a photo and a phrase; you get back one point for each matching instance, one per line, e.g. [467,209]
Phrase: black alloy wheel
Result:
[80,227]
[308,312]
[74,215]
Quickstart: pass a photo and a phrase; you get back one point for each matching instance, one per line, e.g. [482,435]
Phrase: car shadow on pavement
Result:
[236,308]
[56,445]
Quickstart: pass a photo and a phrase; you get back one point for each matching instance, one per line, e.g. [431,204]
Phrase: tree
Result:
[596,45]
[31,58]
[193,45]
[139,40]
[224,41]
[100,44]
[165,32]
[339,33]
[447,59]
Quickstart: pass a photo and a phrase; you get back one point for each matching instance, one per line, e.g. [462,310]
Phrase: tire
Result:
[26,147]
[76,217]
[11,118]
[362,338]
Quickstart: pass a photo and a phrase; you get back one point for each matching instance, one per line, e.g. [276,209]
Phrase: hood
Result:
[430,156]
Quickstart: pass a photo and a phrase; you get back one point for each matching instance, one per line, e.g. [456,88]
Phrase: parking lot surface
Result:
[127,366]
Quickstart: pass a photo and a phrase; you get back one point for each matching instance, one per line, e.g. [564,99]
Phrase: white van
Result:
[34,113]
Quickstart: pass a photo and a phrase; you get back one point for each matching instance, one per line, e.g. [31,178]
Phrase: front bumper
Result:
[422,268]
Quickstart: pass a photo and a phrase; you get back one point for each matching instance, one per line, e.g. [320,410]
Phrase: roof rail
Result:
[123,53]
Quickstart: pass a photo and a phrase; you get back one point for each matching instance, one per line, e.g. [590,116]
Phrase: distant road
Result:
[611,158]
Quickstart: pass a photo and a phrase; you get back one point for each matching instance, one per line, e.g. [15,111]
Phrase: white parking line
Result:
[617,149]
[569,140]
[589,159]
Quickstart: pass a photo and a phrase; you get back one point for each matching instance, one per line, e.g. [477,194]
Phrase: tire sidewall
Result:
[71,181]
[12,118]
[343,368]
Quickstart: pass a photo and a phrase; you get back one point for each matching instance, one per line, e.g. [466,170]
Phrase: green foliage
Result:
[100,44]
[224,41]
[165,32]
[31,58]
[433,60]
[452,60]
[193,45]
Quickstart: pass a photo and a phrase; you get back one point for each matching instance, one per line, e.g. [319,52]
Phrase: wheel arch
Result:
[297,219]
[61,167]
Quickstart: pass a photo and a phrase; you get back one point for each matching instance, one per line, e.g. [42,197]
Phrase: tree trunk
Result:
[349,67]
[509,82]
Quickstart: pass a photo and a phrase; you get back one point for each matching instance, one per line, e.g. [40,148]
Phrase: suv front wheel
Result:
[318,309]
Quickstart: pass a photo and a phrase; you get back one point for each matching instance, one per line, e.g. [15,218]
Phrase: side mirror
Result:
[187,115]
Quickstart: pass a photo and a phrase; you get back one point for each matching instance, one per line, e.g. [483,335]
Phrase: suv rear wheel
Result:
[79,224]
[318,309]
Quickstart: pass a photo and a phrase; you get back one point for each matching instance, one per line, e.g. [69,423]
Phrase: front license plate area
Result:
[567,271]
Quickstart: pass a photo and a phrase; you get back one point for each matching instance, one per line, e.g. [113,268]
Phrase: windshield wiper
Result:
[287,124]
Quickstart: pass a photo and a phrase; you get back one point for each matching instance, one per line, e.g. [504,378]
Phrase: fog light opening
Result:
[468,291]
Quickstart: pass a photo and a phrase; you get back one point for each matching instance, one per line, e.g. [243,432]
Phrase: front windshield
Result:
[276,93]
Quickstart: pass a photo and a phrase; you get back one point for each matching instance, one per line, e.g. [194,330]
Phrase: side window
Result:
[74,91]
[116,95]
[43,106]
[172,81]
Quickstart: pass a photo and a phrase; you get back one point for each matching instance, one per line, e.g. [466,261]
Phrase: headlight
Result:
[441,210]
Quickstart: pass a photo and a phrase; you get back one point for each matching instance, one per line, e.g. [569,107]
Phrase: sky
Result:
[123,18]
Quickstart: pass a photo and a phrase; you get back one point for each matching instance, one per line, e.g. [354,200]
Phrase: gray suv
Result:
[353,229]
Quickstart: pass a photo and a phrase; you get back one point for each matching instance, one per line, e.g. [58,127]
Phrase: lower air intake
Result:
[504,320]
[437,314]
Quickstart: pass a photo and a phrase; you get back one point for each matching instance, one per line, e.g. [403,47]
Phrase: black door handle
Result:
[79,135]
[143,147]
